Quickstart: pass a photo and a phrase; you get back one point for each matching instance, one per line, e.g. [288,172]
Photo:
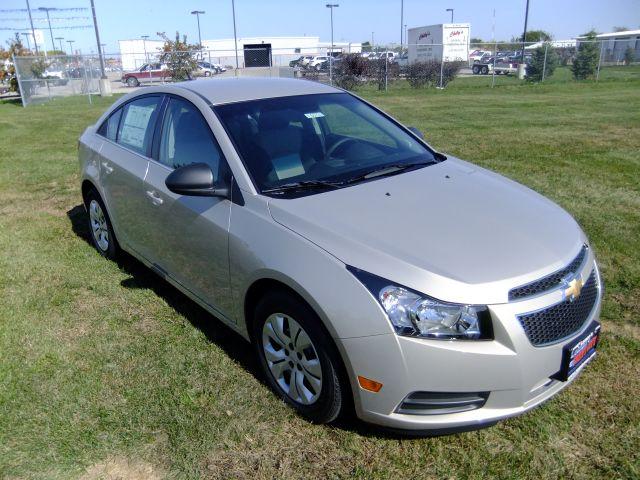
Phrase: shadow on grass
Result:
[215,330]
[13,100]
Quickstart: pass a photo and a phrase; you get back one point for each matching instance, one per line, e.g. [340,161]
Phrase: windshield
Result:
[317,138]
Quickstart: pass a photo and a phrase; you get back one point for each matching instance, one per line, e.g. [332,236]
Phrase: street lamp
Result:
[235,36]
[331,6]
[144,46]
[47,10]
[70,42]
[450,10]
[401,22]
[26,35]
[197,13]
[60,40]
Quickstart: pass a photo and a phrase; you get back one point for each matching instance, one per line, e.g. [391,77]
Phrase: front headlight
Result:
[415,314]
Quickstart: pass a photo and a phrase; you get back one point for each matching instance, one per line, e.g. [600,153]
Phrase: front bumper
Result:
[516,375]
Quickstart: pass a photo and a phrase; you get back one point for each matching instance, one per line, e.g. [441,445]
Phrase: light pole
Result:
[46,10]
[331,6]
[33,32]
[60,40]
[401,22]
[235,36]
[71,42]
[450,10]
[95,26]
[197,13]
[144,46]
[524,39]
[26,35]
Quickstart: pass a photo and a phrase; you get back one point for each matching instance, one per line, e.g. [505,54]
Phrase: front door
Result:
[188,236]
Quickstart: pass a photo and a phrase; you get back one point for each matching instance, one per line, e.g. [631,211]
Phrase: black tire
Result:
[132,82]
[475,70]
[331,400]
[207,73]
[112,249]
[485,70]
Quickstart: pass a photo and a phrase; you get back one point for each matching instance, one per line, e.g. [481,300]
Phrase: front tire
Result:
[132,82]
[297,357]
[101,231]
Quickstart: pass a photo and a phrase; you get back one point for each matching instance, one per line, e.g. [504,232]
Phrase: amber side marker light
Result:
[369,385]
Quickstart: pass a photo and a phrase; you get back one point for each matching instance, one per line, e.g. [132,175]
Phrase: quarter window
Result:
[138,121]
[186,138]
[109,127]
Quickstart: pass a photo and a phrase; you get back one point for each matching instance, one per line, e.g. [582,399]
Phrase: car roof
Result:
[240,89]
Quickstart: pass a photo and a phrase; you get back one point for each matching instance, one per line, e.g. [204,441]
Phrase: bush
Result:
[449,71]
[586,61]
[421,74]
[383,72]
[537,67]
[350,72]
[629,56]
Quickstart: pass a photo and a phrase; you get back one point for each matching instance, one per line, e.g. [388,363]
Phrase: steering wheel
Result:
[335,146]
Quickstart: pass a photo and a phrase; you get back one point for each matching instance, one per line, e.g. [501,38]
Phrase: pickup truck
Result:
[147,73]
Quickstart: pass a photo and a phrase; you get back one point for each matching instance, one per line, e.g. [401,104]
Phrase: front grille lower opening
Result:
[441,403]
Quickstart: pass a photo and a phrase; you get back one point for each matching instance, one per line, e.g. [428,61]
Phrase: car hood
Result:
[453,230]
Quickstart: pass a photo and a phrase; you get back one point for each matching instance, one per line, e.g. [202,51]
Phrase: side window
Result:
[138,122]
[186,138]
[109,127]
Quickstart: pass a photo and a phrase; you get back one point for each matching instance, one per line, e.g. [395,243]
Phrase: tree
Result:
[629,56]
[15,48]
[534,36]
[586,61]
[540,65]
[179,57]
[621,29]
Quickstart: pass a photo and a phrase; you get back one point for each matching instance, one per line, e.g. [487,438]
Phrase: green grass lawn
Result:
[107,372]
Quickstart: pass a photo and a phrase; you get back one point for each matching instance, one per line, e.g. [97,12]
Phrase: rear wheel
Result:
[485,70]
[102,235]
[298,357]
[475,70]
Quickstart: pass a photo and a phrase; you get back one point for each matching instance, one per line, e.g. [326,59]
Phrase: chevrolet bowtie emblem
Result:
[573,289]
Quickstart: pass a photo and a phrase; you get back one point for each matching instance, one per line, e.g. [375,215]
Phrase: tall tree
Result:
[536,36]
[586,61]
[179,56]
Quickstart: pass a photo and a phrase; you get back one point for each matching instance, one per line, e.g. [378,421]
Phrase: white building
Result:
[615,44]
[554,44]
[252,51]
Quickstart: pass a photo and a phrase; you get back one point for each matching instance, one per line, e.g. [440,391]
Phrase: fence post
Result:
[493,73]
[20,86]
[599,61]
[386,62]
[441,64]
[544,65]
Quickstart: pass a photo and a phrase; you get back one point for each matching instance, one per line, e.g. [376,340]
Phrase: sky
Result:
[354,20]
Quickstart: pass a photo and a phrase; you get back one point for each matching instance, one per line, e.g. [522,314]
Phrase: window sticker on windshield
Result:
[314,115]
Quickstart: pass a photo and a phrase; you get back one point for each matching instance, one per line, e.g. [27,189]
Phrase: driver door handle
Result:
[154,197]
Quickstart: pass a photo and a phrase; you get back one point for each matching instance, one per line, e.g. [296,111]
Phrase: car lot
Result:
[104,366]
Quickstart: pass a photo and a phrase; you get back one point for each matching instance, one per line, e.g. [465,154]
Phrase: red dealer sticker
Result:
[579,352]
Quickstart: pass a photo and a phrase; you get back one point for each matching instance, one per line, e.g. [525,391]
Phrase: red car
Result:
[147,73]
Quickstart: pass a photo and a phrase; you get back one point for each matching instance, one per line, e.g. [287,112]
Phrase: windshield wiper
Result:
[304,185]
[384,170]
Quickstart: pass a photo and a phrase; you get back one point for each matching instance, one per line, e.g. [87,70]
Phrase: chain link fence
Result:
[421,65]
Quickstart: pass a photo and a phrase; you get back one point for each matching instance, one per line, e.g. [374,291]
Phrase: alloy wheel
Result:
[99,227]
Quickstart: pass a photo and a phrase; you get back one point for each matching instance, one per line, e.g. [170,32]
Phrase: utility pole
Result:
[524,40]
[401,22]
[26,35]
[95,26]
[60,40]
[331,6]
[235,36]
[71,42]
[33,32]
[197,13]
[46,10]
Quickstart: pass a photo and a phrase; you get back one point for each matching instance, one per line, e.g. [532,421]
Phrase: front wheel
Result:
[132,82]
[102,235]
[297,356]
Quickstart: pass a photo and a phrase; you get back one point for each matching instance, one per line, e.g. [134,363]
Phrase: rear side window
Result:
[137,124]
[186,138]
[109,127]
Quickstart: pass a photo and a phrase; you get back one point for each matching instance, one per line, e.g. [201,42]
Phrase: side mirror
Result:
[196,180]
[417,133]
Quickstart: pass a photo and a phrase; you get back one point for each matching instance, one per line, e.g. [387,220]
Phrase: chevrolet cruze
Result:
[364,267]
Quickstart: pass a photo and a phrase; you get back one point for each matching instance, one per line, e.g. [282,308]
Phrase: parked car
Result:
[207,69]
[361,265]
[305,60]
[147,73]
[477,54]
[402,60]
[317,61]
[297,62]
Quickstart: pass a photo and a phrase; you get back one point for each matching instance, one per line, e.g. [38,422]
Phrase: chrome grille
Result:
[550,281]
[562,319]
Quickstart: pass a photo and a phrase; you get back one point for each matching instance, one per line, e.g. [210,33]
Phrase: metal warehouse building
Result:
[615,44]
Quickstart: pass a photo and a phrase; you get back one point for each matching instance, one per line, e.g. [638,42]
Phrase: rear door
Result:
[124,159]
[188,236]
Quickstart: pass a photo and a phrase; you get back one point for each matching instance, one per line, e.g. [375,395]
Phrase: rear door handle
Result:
[154,197]
[107,168]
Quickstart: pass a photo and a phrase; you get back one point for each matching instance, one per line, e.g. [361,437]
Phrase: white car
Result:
[317,61]
[305,60]
[478,54]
